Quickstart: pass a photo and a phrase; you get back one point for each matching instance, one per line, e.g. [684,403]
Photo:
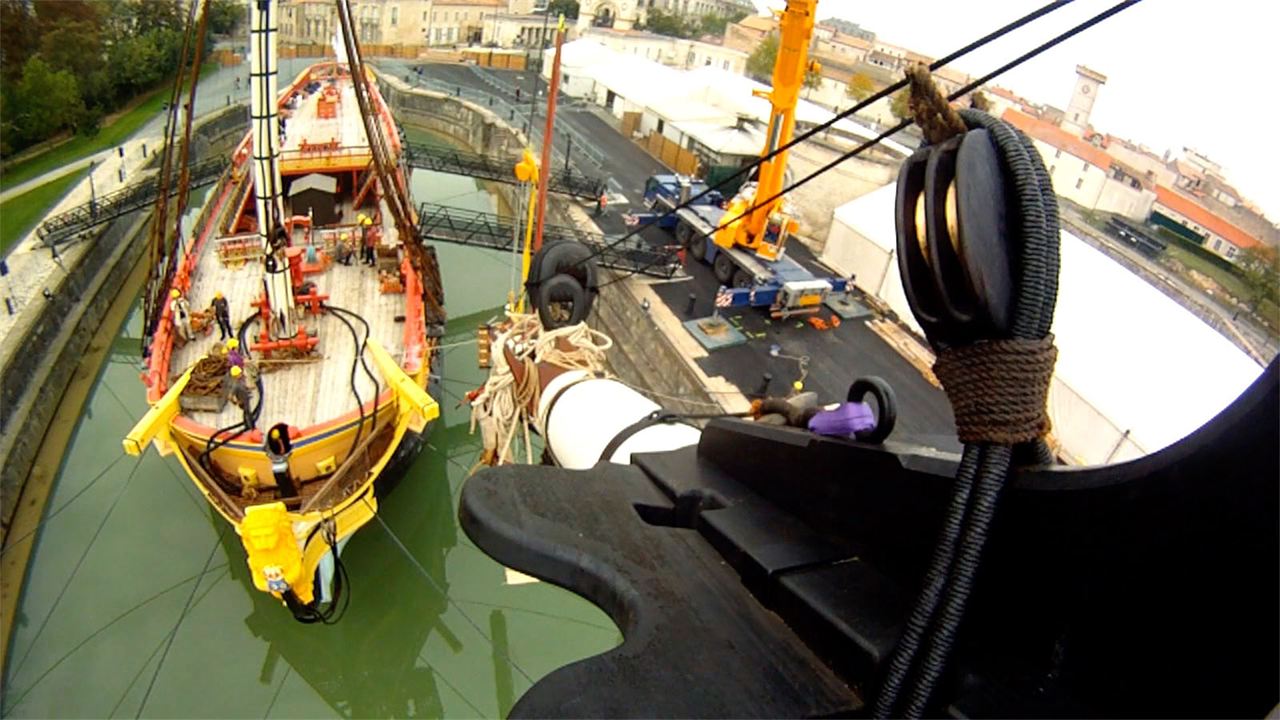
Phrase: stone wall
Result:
[33,380]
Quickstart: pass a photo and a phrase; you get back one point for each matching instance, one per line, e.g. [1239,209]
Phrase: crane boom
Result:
[765,228]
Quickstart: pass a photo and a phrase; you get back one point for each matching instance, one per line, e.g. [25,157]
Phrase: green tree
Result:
[46,101]
[225,16]
[715,23]
[1259,267]
[568,8]
[664,23]
[860,87]
[73,46]
[900,104]
[138,64]
[17,37]
[761,60]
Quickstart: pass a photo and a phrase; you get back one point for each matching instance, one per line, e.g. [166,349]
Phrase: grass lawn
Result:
[18,215]
[1228,280]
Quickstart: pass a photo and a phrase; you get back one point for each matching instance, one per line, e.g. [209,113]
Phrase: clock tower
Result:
[1076,119]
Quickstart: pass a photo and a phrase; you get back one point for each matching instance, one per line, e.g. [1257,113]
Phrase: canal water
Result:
[138,601]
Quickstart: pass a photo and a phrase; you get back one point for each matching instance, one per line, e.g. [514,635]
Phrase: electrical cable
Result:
[883,93]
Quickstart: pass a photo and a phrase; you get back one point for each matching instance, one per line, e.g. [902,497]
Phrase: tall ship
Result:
[292,334]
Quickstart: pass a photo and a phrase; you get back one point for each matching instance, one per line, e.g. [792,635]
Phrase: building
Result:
[1184,216]
[619,14]
[748,32]
[510,30]
[391,22]
[1076,117]
[1084,173]
[670,51]
[698,8]
[839,47]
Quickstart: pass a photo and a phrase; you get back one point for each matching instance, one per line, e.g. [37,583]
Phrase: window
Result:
[1085,166]
[424,16]
[395,15]
[1052,168]
[1217,245]
[1079,183]
[661,125]
[726,64]
[1075,118]
[1057,153]
[1231,251]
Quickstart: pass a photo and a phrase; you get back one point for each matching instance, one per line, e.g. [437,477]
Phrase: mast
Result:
[264,116]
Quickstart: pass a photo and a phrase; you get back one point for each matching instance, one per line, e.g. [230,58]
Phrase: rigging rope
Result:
[966,89]
[885,92]
[504,405]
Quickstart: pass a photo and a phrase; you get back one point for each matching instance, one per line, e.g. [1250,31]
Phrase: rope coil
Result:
[998,389]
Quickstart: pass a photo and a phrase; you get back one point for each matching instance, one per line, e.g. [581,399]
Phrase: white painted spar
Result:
[589,414]
[267,188]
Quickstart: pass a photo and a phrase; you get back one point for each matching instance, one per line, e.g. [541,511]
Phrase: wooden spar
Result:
[547,137]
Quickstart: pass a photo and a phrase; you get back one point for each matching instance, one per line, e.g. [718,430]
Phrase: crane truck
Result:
[745,243]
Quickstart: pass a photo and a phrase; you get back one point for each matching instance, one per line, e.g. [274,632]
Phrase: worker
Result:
[601,202]
[344,249]
[180,310]
[223,314]
[234,358]
[367,240]
[238,390]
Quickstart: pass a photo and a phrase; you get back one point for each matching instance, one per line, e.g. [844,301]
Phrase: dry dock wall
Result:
[36,373]
[642,355]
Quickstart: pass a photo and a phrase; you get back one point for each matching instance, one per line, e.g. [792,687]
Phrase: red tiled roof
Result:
[1198,214]
[1049,133]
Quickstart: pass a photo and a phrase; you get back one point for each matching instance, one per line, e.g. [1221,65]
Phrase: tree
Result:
[73,46]
[47,101]
[225,15]
[1259,267]
[860,87]
[761,60]
[568,8]
[900,104]
[17,37]
[664,23]
[716,23]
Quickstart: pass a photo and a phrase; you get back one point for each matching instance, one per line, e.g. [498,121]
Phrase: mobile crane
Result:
[747,253]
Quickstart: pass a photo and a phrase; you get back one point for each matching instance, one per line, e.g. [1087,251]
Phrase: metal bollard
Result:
[764,384]
[693,300]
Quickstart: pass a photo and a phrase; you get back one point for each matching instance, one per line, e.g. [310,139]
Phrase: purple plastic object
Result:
[844,421]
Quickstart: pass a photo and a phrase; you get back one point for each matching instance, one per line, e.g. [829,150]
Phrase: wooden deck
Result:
[306,393]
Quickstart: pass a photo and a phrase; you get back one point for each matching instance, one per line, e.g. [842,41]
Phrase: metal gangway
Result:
[70,225]
[459,226]
[487,167]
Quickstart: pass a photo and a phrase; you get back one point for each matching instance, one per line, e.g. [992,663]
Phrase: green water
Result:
[132,549]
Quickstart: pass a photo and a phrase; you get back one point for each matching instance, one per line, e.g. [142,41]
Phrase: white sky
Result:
[1199,73]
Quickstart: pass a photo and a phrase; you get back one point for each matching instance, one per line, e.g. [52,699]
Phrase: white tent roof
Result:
[1138,357]
[726,140]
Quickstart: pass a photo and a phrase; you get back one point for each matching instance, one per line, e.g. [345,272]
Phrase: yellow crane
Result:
[765,228]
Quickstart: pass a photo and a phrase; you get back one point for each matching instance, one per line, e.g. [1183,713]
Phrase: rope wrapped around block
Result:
[999,388]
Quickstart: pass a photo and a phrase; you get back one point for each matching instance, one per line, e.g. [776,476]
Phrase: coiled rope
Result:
[503,406]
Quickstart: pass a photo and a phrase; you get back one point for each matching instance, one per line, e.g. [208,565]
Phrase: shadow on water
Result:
[129,555]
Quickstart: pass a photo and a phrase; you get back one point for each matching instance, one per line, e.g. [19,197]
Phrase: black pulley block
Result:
[954,243]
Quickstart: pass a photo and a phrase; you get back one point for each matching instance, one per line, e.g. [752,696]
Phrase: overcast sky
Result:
[1199,73]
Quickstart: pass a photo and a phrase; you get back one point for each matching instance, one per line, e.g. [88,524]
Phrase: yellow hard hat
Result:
[360,216]
[365,221]
[346,236]
[797,385]
[217,295]
[235,371]
[232,344]
[275,433]
[174,293]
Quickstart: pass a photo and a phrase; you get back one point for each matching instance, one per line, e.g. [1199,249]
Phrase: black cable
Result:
[970,87]
[377,386]
[865,102]
[355,366]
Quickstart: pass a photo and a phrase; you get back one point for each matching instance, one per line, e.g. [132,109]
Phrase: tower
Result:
[1076,119]
[618,14]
